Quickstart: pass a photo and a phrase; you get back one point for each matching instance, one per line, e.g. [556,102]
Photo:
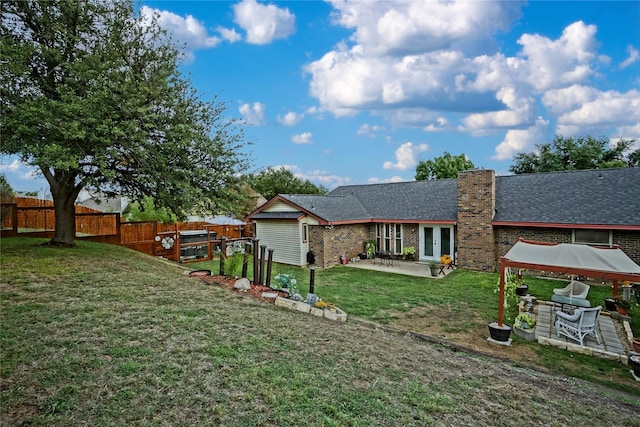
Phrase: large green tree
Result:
[92,96]
[272,181]
[446,166]
[576,153]
[6,192]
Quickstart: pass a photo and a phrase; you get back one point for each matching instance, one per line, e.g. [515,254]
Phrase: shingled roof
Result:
[591,197]
[585,197]
[406,201]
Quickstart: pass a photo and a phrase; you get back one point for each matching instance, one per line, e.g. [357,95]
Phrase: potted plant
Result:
[521,289]
[409,253]
[434,266]
[370,248]
[622,306]
[524,321]
[610,304]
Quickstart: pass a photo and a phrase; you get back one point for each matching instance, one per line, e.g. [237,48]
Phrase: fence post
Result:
[245,259]
[255,260]
[312,280]
[263,249]
[269,262]
[223,254]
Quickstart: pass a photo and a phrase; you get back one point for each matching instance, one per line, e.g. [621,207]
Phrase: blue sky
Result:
[357,92]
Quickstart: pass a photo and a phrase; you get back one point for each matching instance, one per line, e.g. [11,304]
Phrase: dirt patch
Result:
[436,322]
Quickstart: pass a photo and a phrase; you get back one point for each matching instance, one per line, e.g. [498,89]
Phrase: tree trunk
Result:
[64,193]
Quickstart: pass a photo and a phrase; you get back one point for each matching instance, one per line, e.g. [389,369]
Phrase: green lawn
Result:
[461,303]
[100,335]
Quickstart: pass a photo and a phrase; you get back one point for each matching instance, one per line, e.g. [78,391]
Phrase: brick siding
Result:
[476,205]
[329,243]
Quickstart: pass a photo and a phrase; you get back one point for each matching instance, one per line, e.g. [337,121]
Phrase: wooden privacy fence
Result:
[183,242]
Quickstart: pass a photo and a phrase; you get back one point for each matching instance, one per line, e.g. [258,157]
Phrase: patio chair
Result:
[577,326]
[574,289]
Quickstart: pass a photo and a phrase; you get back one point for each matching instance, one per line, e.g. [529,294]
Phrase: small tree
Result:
[446,166]
[92,96]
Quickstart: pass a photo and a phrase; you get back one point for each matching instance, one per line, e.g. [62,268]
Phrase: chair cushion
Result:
[570,317]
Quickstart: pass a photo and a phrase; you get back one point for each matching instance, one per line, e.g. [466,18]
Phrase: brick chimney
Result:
[476,206]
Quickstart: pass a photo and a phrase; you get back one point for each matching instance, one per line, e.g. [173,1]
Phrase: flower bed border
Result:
[303,307]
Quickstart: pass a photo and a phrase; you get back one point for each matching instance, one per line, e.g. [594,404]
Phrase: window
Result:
[389,237]
[592,237]
[305,233]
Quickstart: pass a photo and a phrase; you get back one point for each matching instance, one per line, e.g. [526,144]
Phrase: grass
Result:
[100,335]
[463,303]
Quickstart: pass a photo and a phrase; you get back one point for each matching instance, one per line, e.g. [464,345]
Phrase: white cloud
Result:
[318,177]
[437,66]
[290,119]
[406,156]
[369,130]
[582,108]
[186,30]
[520,111]
[440,124]
[229,34]
[302,138]
[408,26]
[522,141]
[253,114]
[14,166]
[556,63]
[375,180]
[634,56]
[264,23]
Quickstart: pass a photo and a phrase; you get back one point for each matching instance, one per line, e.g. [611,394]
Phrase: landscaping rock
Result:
[242,284]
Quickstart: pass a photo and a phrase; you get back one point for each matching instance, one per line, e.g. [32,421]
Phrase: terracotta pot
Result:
[623,311]
[635,343]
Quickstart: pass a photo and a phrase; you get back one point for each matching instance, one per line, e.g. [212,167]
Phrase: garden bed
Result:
[256,291]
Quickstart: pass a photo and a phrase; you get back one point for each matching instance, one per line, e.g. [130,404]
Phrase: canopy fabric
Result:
[573,256]
[565,258]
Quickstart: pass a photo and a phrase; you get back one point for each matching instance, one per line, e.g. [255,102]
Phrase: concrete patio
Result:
[408,268]
[610,346]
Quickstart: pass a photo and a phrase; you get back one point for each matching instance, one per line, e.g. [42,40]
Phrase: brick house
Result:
[476,218]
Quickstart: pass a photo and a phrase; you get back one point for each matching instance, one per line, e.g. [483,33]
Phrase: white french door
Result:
[435,241]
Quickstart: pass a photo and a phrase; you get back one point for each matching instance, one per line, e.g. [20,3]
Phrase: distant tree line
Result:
[563,153]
